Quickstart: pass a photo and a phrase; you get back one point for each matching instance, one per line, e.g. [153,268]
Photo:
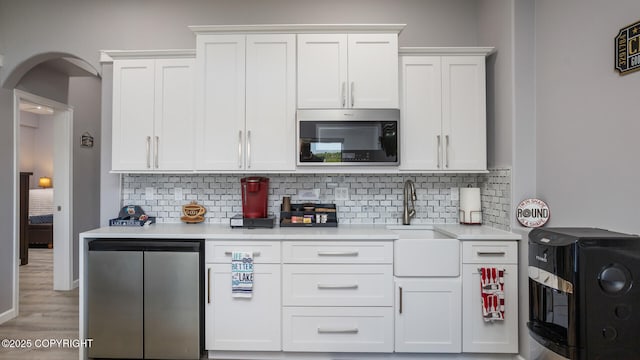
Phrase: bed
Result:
[37,218]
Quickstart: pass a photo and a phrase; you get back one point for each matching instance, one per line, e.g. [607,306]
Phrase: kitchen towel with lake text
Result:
[492,293]
[241,274]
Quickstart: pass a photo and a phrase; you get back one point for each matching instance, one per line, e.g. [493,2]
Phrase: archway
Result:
[24,79]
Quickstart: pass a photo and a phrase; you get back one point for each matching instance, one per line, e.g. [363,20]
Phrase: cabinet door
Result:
[428,315]
[270,102]
[133,105]
[245,324]
[220,95]
[489,337]
[421,127]
[373,71]
[464,113]
[174,114]
[322,71]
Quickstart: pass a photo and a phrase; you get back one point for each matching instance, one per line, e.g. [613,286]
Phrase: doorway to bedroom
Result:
[44,161]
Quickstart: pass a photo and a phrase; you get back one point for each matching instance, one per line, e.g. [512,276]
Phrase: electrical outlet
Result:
[148,193]
[455,194]
[177,194]
[341,193]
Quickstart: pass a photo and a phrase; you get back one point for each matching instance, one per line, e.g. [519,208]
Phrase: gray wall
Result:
[84,96]
[46,83]
[82,28]
[7,177]
[495,29]
[587,122]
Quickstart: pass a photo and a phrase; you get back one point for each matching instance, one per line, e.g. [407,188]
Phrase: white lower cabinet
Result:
[243,324]
[428,315]
[497,336]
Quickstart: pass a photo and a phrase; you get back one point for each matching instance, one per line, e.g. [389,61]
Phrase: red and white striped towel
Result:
[492,293]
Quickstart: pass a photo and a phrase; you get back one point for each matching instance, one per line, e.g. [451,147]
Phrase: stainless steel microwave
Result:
[348,136]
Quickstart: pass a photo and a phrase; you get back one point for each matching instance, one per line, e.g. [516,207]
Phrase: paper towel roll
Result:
[470,208]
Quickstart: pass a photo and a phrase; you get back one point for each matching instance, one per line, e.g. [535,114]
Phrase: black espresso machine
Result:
[583,300]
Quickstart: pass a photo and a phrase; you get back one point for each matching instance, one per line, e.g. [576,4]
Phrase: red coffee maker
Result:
[255,192]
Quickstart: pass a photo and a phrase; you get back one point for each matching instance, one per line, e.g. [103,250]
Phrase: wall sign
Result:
[86,140]
[628,49]
[532,213]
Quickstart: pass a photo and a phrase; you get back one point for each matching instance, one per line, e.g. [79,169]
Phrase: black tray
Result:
[120,222]
[298,210]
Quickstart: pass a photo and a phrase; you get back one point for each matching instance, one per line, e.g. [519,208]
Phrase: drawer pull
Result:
[337,286]
[337,253]
[337,331]
[255,253]
[489,253]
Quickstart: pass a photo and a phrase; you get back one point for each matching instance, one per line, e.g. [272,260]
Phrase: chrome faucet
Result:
[409,191]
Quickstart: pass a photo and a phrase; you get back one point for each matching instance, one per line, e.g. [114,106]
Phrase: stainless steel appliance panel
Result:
[115,304]
[171,304]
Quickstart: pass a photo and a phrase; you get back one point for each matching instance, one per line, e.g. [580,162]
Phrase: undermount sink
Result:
[417,232]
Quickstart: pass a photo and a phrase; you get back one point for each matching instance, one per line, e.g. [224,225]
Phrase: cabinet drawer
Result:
[337,329]
[265,252]
[490,252]
[338,252]
[337,285]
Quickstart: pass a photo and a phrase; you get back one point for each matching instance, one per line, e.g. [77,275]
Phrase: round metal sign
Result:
[532,213]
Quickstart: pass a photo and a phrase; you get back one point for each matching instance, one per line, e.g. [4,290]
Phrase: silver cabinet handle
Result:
[446,151]
[209,286]
[240,149]
[352,98]
[400,307]
[255,253]
[337,286]
[344,96]
[489,253]
[337,330]
[249,149]
[148,152]
[156,152]
[337,253]
[439,147]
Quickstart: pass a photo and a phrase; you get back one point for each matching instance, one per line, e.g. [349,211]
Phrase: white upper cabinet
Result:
[220,96]
[270,102]
[348,71]
[443,112]
[464,115]
[152,114]
[245,102]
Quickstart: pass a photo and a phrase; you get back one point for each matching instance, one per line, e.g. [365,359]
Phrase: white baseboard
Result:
[7,315]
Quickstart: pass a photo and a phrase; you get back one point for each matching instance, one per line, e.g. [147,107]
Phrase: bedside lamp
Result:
[44,182]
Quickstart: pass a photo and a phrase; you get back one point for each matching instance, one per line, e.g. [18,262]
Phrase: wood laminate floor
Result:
[44,314]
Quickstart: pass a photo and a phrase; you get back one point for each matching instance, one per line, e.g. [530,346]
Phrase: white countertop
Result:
[342,232]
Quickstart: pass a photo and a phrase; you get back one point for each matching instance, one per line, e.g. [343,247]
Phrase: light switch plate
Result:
[177,194]
[455,194]
[148,193]
[341,193]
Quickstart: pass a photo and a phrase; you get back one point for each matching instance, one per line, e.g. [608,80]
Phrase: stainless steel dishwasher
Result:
[145,299]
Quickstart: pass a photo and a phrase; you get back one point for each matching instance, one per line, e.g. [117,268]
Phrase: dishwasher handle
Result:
[144,245]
